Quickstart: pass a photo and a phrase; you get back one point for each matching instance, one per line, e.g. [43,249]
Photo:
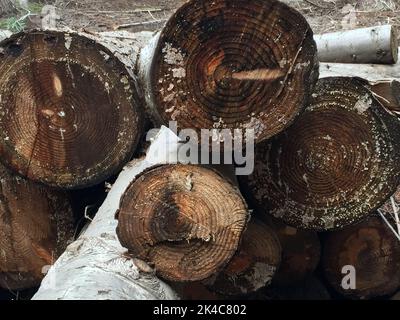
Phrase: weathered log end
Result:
[36,224]
[233,64]
[254,265]
[373,251]
[68,110]
[335,165]
[186,221]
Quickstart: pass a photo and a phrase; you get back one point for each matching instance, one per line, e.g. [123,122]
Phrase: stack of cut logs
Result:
[74,107]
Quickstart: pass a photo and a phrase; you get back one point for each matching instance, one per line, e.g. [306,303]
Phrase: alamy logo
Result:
[212,146]
[349,280]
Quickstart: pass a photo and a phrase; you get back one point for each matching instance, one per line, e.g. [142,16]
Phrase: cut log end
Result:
[373,251]
[36,224]
[233,64]
[255,264]
[338,163]
[186,221]
[68,110]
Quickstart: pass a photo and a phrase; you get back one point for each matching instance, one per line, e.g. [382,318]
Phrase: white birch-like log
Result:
[367,45]
[4,34]
[370,72]
[96,266]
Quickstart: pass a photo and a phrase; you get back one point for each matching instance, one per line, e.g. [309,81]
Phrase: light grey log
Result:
[95,266]
[4,34]
[370,72]
[367,45]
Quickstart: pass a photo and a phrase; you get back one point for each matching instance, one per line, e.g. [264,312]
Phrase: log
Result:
[301,252]
[70,113]
[310,289]
[366,45]
[230,65]
[338,163]
[195,291]
[36,224]
[253,266]
[96,266]
[4,34]
[370,72]
[186,221]
[373,251]
[383,81]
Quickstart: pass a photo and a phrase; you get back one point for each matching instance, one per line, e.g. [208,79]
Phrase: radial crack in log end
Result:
[188,235]
[36,224]
[253,266]
[335,165]
[69,112]
[248,64]
[259,74]
[370,253]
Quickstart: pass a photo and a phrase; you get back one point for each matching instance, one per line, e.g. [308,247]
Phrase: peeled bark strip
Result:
[231,64]
[186,221]
[36,224]
[96,266]
[69,111]
[301,252]
[373,251]
[254,265]
[338,163]
[367,45]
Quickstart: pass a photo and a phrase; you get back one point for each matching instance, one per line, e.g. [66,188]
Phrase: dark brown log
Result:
[310,288]
[373,250]
[231,64]
[187,221]
[195,291]
[36,224]
[338,163]
[253,266]
[301,252]
[69,111]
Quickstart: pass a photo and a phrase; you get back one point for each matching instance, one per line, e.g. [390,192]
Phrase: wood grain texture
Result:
[69,110]
[36,224]
[232,65]
[186,221]
[254,265]
[338,163]
[373,250]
